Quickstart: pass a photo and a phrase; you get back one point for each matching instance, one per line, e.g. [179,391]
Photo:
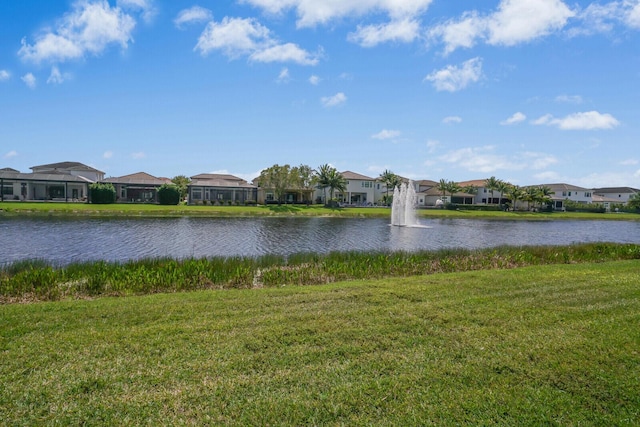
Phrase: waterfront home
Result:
[619,195]
[361,190]
[220,189]
[64,181]
[563,192]
[139,187]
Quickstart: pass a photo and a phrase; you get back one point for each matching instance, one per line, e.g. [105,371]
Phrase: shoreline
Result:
[39,209]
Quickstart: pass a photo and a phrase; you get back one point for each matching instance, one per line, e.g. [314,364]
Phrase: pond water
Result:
[65,240]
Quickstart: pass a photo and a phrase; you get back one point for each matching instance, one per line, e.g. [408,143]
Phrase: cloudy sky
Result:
[528,91]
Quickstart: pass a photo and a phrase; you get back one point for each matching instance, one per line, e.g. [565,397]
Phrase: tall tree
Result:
[336,182]
[322,179]
[181,182]
[278,178]
[305,180]
[491,184]
[502,187]
[515,193]
[390,181]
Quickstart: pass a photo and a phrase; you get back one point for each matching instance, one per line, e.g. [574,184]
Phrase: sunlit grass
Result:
[37,280]
[543,345]
[81,209]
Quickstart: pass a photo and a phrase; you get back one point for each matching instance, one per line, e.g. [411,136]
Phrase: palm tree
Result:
[502,187]
[390,181]
[336,182]
[443,187]
[515,193]
[530,196]
[491,184]
[322,179]
[544,194]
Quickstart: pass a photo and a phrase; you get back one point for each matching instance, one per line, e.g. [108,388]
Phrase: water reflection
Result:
[65,240]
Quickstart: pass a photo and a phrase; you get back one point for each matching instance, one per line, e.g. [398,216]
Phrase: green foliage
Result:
[572,206]
[102,193]
[168,194]
[329,177]
[40,281]
[548,345]
[182,182]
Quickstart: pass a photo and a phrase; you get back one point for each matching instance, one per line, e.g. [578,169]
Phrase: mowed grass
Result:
[542,345]
[152,210]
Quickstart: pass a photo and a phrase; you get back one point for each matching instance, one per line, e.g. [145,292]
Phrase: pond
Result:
[65,240]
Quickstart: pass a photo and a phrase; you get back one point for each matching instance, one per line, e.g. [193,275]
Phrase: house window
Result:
[366,184]
[564,194]
[7,190]
[196,194]
[569,193]
[587,194]
[269,197]
[56,191]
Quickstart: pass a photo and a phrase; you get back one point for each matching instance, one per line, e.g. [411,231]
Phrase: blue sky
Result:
[529,91]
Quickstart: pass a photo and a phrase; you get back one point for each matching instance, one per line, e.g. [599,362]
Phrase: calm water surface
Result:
[64,240]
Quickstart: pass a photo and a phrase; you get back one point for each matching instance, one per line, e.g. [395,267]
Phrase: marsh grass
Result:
[38,281]
[540,345]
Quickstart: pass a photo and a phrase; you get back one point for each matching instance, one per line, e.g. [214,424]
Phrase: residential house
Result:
[563,192]
[483,194]
[65,181]
[361,190]
[139,187]
[619,195]
[220,189]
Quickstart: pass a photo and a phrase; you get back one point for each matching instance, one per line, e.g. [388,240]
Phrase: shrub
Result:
[168,194]
[102,193]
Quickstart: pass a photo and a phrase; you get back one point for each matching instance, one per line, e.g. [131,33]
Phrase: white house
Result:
[65,181]
[361,190]
[615,194]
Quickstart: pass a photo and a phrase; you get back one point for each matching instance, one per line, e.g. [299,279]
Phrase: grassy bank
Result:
[35,280]
[84,209]
[544,345]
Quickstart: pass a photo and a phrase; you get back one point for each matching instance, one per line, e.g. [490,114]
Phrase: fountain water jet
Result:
[403,208]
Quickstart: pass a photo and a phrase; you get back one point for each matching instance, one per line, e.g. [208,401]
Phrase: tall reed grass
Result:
[38,280]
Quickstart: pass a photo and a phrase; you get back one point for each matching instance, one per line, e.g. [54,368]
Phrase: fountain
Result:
[403,208]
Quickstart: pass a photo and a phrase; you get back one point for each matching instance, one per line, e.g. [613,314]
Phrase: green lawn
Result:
[543,345]
[51,208]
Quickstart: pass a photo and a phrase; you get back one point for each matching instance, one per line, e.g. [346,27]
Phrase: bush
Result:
[102,193]
[168,194]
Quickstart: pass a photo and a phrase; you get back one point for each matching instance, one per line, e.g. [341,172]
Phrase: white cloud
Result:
[4,75]
[56,77]
[405,30]
[234,36]
[333,101]
[107,154]
[538,161]
[516,118]
[138,155]
[590,120]
[145,6]
[451,119]
[549,177]
[194,14]
[88,29]
[432,145]
[314,80]
[570,99]
[386,134]
[629,162]
[237,37]
[311,13]
[477,159]
[453,79]
[518,21]
[514,22]
[10,154]
[632,15]
[287,52]
[30,80]
[486,160]
[284,76]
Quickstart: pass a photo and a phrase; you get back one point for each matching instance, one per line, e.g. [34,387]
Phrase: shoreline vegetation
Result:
[539,345]
[12,209]
[37,280]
